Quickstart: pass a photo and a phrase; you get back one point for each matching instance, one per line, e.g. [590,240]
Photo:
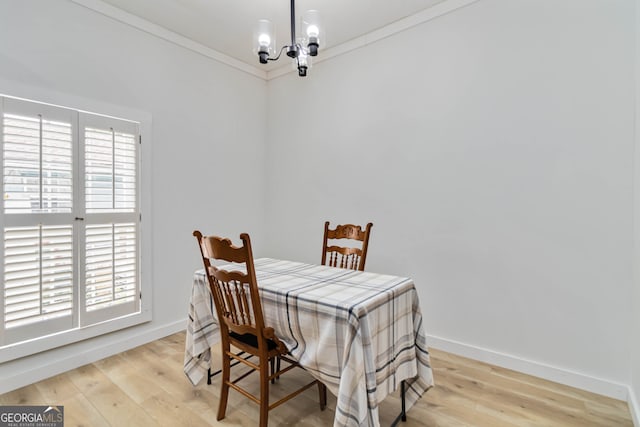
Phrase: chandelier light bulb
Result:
[313,31]
[264,40]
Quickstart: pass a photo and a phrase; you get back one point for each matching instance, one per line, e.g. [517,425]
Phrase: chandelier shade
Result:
[264,38]
[311,29]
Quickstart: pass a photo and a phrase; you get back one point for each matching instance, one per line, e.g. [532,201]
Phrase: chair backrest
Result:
[349,257]
[235,292]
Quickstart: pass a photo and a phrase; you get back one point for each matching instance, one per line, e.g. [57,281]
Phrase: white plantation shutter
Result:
[109,262]
[69,219]
[38,276]
[110,265]
[37,219]
[37,162]
[110,174]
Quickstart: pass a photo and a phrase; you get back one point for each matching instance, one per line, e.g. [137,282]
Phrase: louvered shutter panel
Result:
[110,171]
[37,164]
[38,266]
[37,224]
[109,263]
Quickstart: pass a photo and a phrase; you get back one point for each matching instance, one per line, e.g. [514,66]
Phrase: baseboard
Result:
[584,382]
[121,343]
[562,376]
[634,407]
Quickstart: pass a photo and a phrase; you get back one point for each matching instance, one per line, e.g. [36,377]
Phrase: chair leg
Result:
[272,368]
[322,394]
[264,393]
[224,390]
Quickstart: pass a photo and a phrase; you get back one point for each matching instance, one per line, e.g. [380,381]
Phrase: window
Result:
[70,220]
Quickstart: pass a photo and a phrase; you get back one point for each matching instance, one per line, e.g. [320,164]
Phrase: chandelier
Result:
[300,50]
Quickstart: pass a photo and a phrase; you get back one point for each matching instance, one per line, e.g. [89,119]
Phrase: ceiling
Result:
[227,25]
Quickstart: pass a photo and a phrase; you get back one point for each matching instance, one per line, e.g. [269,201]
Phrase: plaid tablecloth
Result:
[359,333]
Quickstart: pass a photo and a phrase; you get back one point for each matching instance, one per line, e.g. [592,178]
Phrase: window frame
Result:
[78,331]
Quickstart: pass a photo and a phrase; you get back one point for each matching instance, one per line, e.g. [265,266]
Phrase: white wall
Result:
[492,149]
[634,336]
[205,115]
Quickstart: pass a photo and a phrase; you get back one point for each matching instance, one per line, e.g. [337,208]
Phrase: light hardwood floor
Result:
[146,387]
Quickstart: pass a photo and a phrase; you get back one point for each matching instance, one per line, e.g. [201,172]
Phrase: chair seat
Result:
[252,340]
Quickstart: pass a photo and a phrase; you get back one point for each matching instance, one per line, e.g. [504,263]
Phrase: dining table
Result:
[360,333]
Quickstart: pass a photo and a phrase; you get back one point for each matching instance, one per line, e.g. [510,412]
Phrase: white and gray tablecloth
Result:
[359,333]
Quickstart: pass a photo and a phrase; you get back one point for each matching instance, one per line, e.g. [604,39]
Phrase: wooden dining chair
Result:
[349,257]
[237,301]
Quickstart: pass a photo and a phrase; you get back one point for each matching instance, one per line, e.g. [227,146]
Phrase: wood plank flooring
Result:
[145,386]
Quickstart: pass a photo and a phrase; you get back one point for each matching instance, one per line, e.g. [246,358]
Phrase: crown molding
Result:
[170,36]
[396,27]
[404,24]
